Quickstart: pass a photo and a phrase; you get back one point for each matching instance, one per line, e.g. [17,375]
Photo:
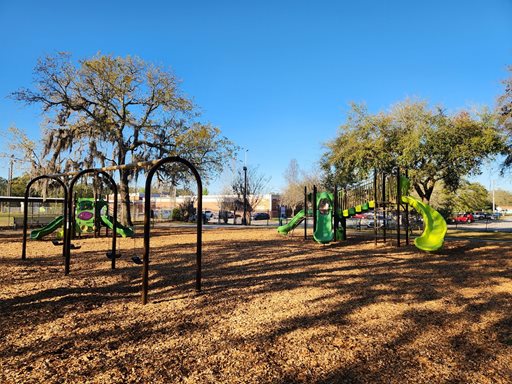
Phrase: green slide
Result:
[434,226]
[324,229]
[55,224]
[120,229]
[296,220]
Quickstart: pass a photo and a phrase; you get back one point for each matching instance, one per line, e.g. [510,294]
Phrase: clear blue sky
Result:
[275,76]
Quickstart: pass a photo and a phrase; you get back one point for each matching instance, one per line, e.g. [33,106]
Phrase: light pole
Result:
[244,220]
[245,196]
[9,187]
[493,199]
[9,182]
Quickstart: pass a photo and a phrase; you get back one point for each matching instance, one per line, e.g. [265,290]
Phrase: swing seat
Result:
[109,255]
[137,260]
[71,246]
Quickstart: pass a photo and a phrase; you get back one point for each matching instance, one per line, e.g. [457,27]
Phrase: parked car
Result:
[464,218]
[479,215]
[227,214]
[261,216]
[193,218]
[381,221]
[208,214]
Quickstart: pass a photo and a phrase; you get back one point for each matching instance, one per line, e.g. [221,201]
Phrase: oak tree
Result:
[108,110]
[431,144]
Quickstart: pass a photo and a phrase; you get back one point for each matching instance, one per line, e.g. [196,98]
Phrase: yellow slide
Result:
[434,225]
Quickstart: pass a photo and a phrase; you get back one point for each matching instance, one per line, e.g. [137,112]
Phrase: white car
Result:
[208,214]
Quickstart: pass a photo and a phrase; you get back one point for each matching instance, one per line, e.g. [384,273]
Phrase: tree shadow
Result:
[448,292]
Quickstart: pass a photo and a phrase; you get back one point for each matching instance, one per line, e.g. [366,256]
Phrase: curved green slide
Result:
[120,229]
[55,224]
[296,220]
[434,225]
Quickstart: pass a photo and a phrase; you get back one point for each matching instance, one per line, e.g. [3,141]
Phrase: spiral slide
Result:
[434,226]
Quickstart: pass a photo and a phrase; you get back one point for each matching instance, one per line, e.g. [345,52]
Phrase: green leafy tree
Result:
[504,112]
[432,145]
[3,186]
[116,110]
[19,184]
[502,197]
[471,197]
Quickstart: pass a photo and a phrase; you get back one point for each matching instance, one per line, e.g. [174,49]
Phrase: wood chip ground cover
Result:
[273,309]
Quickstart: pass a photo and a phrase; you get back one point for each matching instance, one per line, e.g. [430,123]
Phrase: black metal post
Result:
[344,205]
[376,207]
[245,196]
[384,206]
[398,202]
[336,216]
[407,215]
[96,213]
[314,208]
[25,212]
[147,222]
[305,213]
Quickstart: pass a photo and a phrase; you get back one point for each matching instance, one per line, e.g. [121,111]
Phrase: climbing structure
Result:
[383,194]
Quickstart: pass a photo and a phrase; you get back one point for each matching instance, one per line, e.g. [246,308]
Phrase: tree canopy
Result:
[431,144]
[109,110]
[504,112]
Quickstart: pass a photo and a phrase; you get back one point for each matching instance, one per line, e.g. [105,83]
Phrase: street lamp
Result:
[9,182]
[245,195]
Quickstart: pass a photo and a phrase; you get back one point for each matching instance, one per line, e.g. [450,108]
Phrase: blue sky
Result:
[275,76]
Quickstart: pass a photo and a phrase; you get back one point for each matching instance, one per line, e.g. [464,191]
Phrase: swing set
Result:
[69,219]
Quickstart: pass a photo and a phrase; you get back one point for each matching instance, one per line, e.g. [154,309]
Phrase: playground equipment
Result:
[55,224]
[87,211]
[25,211]
[111,221]
[434,226]
[380,195]
[294,222]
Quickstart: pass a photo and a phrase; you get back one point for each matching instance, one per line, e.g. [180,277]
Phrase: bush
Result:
[176,215]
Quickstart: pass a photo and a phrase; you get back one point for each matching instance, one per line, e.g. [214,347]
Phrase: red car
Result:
[464,218]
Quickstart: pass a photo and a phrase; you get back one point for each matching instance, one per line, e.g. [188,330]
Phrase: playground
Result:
[273,309]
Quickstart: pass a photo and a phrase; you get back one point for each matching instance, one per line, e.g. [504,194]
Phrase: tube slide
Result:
[324,232]
[55,224]
[294,222]
[434,226]
[120,229]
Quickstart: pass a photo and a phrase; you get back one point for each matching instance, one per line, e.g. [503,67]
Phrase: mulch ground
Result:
[272,309]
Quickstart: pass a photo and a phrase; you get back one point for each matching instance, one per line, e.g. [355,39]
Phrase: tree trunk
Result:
[124,194]
[424,193]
